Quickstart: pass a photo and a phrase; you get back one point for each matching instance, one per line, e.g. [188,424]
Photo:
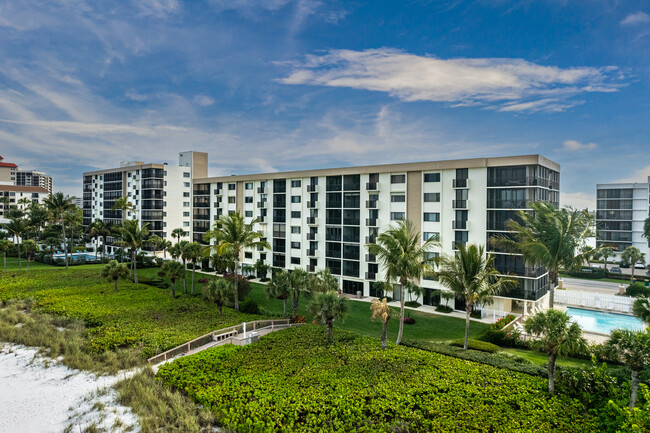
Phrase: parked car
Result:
[616,270]
[624,265]
[639,266]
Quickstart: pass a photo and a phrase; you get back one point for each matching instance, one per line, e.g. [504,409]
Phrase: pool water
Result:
[604,323]
[76,256]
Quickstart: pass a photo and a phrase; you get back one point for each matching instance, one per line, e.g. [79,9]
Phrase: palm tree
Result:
[172,270]
[549,237]
[178,234]
[605,251]
[164,246]
[134,237]
[588,254]
[403,259]
[632,255]
[233,235]
[632,349]
[646,229]
[641,308]
[301,282]
[122,204]
[31,248]
[155,241]
[93,232]
[280,287]
[114,271]
[59,204]
[556,335]
[323,281]
[74,220]
[4,247]
[193,252]
[326,308]
[381,310]
[471,276]
[16,227]
[38,217]
[219,291]
[182,245]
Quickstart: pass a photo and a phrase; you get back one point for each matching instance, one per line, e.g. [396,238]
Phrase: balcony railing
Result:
[371,239]
[311,252]
[372,186]
[456,244]
[372,276]
[218,191]
[459,225]
[459,204]
[372,204]
[260,190]
[372,222]
[311,236]
[459,183]
[312,188]
[261,219]
[312,221]
[371,258]
[311,268]
[312,203]
[261,204]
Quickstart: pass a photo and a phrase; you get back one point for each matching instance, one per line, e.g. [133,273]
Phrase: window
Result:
[295,214]
[232,199]
[248,199]
[186,204]
[432,177]
[248,213]
[248,255]
[295,199]
[295,260]
[186,223]
[398,198]
[295,183]
[186,214]
[295,245]
[398,178]
[431,235]
[249,185]
[431,197]
[432,216]
[186,174]
[395,216]
[232,186]
[185,194]
[295,229]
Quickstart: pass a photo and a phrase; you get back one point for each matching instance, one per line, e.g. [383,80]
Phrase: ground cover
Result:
[295,381]
[605,280]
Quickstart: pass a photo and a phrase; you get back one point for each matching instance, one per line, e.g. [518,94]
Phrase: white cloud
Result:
[578,200]
[573,145]
[506,84]
[134,96]
[636,19]
[203,100]
[158,8]
[640,175]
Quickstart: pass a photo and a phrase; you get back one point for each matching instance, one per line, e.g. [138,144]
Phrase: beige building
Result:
[7,172]
[34,178]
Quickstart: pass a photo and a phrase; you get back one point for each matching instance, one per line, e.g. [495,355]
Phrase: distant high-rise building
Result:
[34,178]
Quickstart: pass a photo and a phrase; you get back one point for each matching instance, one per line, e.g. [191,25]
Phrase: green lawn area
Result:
[604,280]
[12,264]
[541,358]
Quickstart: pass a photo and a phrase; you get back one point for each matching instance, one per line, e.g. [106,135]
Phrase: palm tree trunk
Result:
[65,244]
[401,315]
[329,325]
[135,267]
[27,263]
[551,373]
[285,308]
[236,284]
[635,388]
[104,247]
[632,279]
[20,268]
[605,263]
[193,270]
[468,312]
[5,260]
[115,282]
[384,329]
[96,249]
[184,279]
[173,289]
[294,304]
[552,275]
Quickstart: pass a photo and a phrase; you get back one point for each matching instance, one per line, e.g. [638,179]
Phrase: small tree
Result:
[381,310]
[113,271]
[301,282]
[326,308]
[261,268]
[280,287]
[172,270]
[556,335]
[4,247]
[641,308]
[606,251]
[193,252]
[588,253]
[220,291]
[324,282]
[16,228]
[31,248]
[632,348]
[178,233]
[632,255]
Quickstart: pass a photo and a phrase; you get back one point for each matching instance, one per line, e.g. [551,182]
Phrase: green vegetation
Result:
[481,346]
[295,380]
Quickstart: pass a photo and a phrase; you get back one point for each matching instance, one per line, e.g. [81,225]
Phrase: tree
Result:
[646,229]
[74,220]
[38,218]
[632,349]
[323,281]
[59,204]
[548,237]
[301,282]
[632,255]
[172,270]
[164,246]
[233,235]
[261,268]
[4,247]
[154,241]
[471,276]
[122,204]
[193,252]
[641,308]
[381,311]
[588,253]
[178,234]
[134,236]
[556,335]
[113,271]
[605,251]
[16,227]
[326,308]
[403,259]
[31,248]
[280,287]
[99,230]
[220,291]
[182,245]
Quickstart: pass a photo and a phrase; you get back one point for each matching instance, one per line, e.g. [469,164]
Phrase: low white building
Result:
[16,198]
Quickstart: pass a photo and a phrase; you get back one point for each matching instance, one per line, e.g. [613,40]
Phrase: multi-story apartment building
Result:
[7,172]
[324,218]
[161,194]
[16,194]
[34,178]
[621,210]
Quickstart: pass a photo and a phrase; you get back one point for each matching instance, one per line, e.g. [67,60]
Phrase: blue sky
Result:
[291,84]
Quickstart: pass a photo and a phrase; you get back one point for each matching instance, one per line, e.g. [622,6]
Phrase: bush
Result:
[203,280]
[637,289]
[299,319]
[595,273]
[476,314]
[243,287]
[476,345]
[444,309]
[249,306]
[409,320]
[412,304]
[504,338]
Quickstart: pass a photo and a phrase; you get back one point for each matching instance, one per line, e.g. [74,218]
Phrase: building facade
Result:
[7,172]
[16,195]
[621,210]
[161,194]
[34,178]
[324,218]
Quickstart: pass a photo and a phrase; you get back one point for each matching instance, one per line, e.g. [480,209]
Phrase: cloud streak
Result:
[573,146]
[636,19]
[503,84]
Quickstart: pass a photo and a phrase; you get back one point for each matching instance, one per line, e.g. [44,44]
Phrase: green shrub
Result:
[444,309]
[249,306]
[595,273]
[476,314]
[510,337]
[412,304]
[476,345]
[637,289]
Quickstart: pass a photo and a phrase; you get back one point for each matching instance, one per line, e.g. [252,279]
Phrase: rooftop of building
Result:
[17,188]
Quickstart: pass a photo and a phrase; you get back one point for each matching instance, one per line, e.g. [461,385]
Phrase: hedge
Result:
[481,346]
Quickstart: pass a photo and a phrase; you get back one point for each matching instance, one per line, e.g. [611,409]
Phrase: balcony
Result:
[261,219]
[372,204]
[371,239]
[312,188]
[260,190]
[372,186]
[218,191]
[311,268]
[459,204]
[261,204]
[372,222]
[312,221]
[456,244]
[311,236]
[312,203]
[372,276]
[311,252]
[459,225]
[459,183]
[371,258]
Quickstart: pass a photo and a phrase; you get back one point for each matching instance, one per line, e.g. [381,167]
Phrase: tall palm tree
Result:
[381,311]
[134,236]
[280,287]
[38,218]
[556,335]
[4,247]
[641,308]
[403,259]
[326,308]
[219,291]
[122,204]
[549,237]
[233,235]
[172,270]
[93,232]
[164,246]
[31,248]
[59,204]
[154,241]
[301,282]
[193,252]
[605,251]
[182,248]
[471,276]
[632,348]
[113,271]
[632,255]
[16,227]
[178,234]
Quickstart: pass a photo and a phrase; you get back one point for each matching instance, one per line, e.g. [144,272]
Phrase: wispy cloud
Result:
[158,8]
[203,100]
[640,175]
[636,19]
[573,146]
[578,200]
[505,84]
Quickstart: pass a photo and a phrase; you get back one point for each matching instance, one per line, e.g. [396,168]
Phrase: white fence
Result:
[597,301]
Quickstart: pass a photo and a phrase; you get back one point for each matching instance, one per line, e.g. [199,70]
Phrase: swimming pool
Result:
[604,323]
[88,257]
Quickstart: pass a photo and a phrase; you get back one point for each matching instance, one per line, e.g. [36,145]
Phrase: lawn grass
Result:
[603,280]
[540,358]
[12,264]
